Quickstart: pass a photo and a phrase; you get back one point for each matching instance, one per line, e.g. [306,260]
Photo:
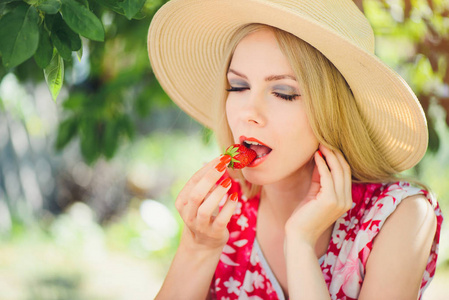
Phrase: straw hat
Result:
[187,39]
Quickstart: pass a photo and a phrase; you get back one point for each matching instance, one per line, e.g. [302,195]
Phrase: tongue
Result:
[260,150]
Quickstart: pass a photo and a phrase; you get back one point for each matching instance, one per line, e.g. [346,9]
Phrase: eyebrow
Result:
[269,78]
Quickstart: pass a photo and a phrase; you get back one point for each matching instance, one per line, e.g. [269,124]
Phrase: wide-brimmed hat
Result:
[187,40]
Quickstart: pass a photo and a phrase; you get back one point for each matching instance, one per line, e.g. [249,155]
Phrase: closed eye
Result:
[286,97]
[237,89]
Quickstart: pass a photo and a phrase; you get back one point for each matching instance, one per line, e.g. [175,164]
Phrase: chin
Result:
[258,178]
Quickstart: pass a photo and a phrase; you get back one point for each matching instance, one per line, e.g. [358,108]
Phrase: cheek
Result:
[231,120]
[298,132]
[228,108]
[228,114]
[231,115]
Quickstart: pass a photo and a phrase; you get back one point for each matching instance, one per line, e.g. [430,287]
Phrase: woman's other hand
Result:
[197,204]
[328,198]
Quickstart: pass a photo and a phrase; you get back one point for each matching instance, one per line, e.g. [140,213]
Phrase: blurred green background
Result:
[88,182]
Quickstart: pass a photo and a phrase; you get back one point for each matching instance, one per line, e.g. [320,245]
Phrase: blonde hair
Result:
[330,105]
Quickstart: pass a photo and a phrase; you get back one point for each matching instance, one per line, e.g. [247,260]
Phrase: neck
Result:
[281,198]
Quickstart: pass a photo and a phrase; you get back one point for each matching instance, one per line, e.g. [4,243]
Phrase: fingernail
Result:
[234,197]
[221,166]
[321,154]
[225,158]
[226,183]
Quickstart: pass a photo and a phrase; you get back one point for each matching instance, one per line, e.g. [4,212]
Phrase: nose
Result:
[254,111]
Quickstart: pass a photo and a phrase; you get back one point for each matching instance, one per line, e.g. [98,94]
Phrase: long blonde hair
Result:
[330,105]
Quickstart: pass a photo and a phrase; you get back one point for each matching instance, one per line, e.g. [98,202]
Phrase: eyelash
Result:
[286,97]
[282,96]
[233,89]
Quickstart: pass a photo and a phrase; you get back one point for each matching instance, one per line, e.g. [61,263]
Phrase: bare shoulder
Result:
[414,212]
[400,251]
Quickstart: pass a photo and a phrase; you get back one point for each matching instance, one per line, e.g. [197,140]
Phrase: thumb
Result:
[315,175]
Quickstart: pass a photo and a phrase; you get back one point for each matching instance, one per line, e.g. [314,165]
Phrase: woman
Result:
[320,213]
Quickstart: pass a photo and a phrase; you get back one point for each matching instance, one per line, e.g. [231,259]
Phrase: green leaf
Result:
[434,139]
[131,7]
[79,53]
[19,35]
[113,5]
[128,8]
[206,135]
[49,20]
[84,3]
[44,51]
[141,104]
[76,102]
[140,16]
[7,6]
[82,20]
[64,39]
[54,75]
[3,72]
[110,139]
[126,126]
[89,140]
[49,6]
[66,131]
[62,47]
[3,4]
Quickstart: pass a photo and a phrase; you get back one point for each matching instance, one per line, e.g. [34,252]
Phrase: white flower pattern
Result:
[242,222]
[248,283]
[238,209]
[232,285]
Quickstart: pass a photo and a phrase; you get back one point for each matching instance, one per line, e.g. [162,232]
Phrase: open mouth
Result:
[261,149]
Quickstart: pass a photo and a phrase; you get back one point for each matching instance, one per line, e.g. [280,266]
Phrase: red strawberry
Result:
[241,156]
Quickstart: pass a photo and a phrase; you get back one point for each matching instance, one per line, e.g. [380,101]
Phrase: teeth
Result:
[252,143]
[261,155]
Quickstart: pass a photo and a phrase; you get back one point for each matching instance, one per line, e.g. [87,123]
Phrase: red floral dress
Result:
[240,273]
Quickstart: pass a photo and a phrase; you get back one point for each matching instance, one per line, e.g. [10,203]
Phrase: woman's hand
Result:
[204,234]
[198,201]
[329,197]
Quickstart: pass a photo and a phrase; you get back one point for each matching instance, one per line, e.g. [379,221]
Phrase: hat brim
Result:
[187,39]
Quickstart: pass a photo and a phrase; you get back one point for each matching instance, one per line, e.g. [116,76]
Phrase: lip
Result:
[259,160]
[251,139]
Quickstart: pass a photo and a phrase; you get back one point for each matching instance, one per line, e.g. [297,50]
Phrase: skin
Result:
[300,200]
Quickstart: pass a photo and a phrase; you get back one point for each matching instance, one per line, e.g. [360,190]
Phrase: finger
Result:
[202,188]
[342,181]
[347,177]
[193,181]
[206,210]
[316,173]
[223,217]
[335,170]
[326,181]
